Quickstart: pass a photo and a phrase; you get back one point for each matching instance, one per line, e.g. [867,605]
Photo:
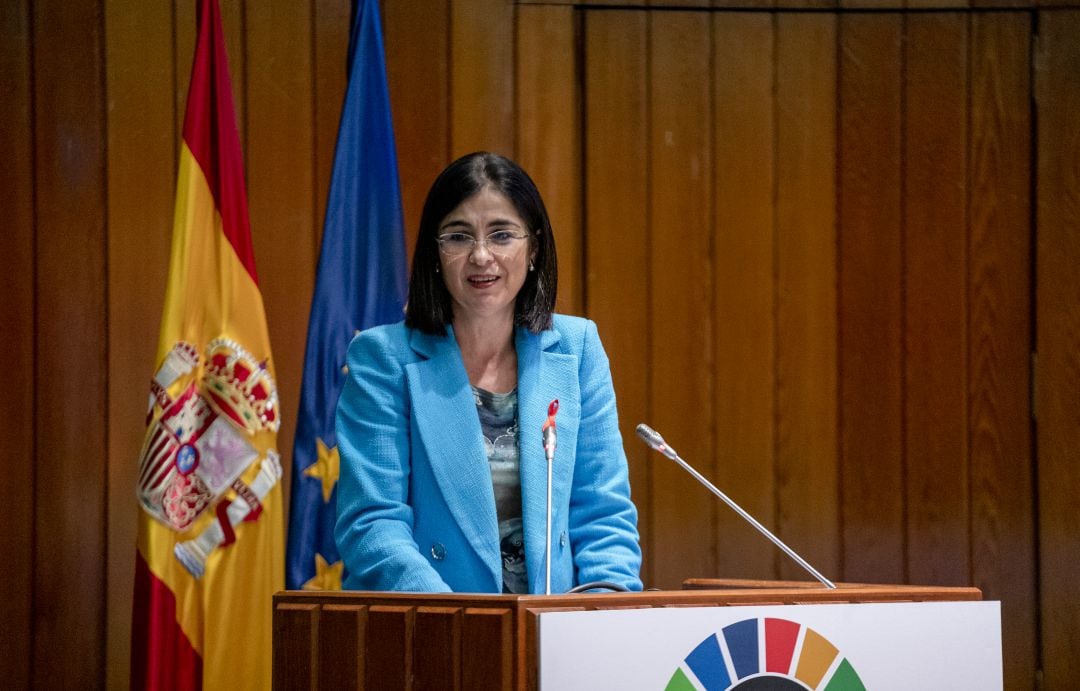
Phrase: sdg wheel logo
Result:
[765,655]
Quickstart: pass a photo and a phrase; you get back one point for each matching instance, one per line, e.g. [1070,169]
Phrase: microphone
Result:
[549,438]
[656,442]
[549,431]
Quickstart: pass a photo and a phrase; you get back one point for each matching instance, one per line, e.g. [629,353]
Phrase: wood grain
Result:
[141,160]
[1057,90]
[437,656]
[342,632]
[17,315]
[296,646]
[488,662]
[418,72]
[999,327]
[616,191]
[388,657]
[935,299]
[482,77]
[70,366]
[330,30]
[807,473]
[281,184]
[871,300]
[549,132]
[680,359]
[745,284]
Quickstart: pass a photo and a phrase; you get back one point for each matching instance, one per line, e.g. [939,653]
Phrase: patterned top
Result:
[499,421]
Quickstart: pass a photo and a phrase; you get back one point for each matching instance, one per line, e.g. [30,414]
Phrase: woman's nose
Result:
[480,253]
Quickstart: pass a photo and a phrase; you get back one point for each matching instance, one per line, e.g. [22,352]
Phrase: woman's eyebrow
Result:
[460,223]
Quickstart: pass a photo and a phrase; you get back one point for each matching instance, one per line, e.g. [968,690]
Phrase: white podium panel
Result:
[876,646]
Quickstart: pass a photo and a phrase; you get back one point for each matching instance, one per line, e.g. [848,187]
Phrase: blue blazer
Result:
[416,507]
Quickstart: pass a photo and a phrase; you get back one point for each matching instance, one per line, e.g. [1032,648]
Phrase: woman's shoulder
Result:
[570,325]
[574,331]
[385,333]
[387,339]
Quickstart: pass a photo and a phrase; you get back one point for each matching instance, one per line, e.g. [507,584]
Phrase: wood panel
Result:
[931,4]
[388,657]
[488,662]
[616,190]
[935,299]
[70,364]
[296,641]
[17,316]
[744,287]
[749,4]
[680,356]
[549,132]
[1057,90]
[871,309]
[482,77]
[342,631]
[437,648]
[807,474]
[141,163]
[805,4]
[678,3]
[418,70]
[999,327]
[281,183]
[184,51]
[330,29]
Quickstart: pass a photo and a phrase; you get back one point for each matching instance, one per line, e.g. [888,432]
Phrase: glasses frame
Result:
[480,242]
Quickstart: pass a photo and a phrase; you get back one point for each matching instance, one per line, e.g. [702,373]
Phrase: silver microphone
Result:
[656,442]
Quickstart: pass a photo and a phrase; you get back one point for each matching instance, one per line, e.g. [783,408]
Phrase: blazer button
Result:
[438,552]
[562,539]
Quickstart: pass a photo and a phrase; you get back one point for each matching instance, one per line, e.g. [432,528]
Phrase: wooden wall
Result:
[821,247]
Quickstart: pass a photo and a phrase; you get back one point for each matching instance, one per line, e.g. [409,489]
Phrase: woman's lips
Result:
[482,281]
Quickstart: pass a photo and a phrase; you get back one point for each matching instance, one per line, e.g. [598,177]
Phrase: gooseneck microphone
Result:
[655,442]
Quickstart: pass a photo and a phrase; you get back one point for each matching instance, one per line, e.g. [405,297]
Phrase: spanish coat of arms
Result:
[200,445]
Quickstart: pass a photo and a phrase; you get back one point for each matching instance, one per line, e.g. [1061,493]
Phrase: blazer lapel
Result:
[445,413]
[544,376]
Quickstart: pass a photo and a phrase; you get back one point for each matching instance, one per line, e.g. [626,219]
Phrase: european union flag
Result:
[361,283]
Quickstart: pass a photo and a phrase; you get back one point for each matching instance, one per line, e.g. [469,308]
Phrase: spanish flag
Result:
[210,548]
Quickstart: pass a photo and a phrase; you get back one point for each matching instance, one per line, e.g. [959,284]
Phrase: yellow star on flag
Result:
[326,468]
[327,576]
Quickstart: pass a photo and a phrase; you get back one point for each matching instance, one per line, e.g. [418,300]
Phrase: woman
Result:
[443,475]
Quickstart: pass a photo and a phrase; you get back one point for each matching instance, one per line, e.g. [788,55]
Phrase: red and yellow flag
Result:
[210,547]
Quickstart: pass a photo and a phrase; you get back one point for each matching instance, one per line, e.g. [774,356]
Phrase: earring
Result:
[437,269]
[531,266]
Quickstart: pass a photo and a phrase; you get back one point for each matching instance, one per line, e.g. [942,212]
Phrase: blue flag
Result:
[361,283]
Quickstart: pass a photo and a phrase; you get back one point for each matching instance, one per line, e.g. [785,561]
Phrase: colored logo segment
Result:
[765,655]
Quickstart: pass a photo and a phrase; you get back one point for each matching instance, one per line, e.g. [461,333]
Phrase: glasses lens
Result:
[456,243]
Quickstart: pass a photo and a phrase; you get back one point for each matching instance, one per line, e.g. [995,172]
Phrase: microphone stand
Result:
[549,437]
[547,549]
[653,439]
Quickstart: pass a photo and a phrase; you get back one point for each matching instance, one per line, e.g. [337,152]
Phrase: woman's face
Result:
[484,279]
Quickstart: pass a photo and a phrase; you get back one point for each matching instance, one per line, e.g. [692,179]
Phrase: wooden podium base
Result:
[369,640]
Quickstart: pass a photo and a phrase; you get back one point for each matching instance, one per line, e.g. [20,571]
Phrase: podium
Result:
[374,640]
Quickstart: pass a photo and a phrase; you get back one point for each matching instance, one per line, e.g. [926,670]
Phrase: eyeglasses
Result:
[500,242]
